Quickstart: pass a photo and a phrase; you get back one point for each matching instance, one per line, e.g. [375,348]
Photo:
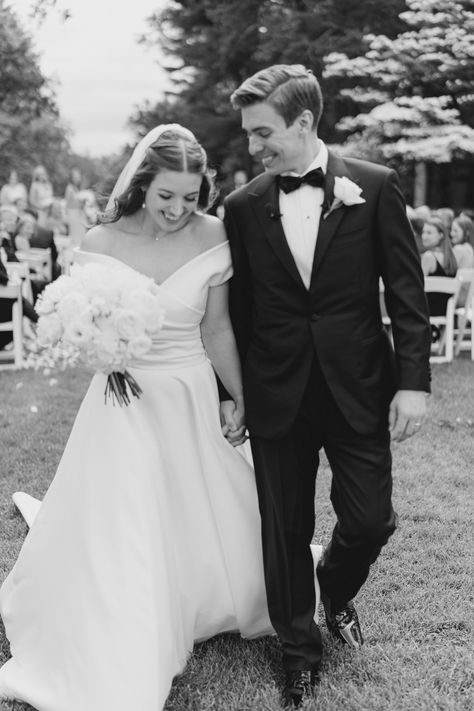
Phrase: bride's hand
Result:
[233,422]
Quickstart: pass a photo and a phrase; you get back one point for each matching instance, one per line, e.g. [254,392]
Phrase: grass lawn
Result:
[416,609]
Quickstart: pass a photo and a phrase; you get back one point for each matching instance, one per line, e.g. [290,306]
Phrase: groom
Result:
[310,239]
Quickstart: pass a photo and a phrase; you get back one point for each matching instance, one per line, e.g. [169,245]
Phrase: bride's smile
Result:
[170,200]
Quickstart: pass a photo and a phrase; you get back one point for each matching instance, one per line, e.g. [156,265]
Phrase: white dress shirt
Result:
[300,216]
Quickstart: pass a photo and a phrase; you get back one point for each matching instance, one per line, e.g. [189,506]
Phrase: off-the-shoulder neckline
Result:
[170,276]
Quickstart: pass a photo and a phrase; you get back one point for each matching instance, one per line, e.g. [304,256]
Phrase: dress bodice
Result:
[184,296]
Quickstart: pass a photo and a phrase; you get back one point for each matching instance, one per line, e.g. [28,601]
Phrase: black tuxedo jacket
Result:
[279,325]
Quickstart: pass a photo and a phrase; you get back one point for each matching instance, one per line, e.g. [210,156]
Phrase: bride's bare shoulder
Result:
[211,230]
[98,238]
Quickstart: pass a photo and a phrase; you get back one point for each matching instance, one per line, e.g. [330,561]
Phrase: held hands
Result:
[232,421]
[407,413]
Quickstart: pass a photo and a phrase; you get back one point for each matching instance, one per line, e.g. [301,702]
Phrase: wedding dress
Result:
[148,538]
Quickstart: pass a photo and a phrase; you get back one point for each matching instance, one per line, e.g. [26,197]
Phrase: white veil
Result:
[138,155]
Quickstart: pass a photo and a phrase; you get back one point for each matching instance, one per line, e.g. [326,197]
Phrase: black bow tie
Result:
[288,183]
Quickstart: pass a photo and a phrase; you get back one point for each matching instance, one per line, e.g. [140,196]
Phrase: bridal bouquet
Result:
[103,317]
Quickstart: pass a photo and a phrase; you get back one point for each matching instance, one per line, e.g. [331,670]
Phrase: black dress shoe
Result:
[344,624]
[299,685]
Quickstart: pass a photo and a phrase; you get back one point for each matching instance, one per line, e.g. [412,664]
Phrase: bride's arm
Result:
[219,342]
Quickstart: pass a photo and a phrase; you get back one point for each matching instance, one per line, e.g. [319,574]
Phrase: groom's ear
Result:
[305,121]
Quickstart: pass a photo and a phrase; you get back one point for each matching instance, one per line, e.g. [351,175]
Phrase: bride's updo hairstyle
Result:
[173,151]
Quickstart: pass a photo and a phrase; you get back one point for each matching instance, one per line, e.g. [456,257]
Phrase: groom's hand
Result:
[232,421]
[407,414]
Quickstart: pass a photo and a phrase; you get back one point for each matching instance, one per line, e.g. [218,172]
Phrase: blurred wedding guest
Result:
[23,240]
[13,190]
[74,199]
[57,220]
[8,228]
[438,258]
[6,306]
[41,237]
[423,212]
[446,214]
[462,238]
[240,179]
[90,207]
[21,203]
[41,193]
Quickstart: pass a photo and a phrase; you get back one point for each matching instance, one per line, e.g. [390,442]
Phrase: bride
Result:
[148,538]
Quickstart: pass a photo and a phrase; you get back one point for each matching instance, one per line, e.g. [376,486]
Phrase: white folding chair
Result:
[464,312]
[13,291]
[20,272]
[39,260]
[443,350]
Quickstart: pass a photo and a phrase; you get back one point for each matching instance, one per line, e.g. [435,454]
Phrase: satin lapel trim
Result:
[264,202]
[328,226]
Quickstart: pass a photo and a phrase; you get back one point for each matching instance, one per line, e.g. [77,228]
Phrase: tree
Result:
[30,128]
[416,90]
[211,47]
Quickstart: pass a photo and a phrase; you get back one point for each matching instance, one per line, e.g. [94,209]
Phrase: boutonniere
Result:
[345,193]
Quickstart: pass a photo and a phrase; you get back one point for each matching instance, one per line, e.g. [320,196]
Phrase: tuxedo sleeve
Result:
[405,296]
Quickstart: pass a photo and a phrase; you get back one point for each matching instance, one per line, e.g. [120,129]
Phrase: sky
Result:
[100,72]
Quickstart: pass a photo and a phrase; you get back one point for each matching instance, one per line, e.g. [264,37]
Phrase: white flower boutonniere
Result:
[345,193]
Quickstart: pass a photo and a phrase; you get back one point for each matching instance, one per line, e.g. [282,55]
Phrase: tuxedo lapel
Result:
[265,203]
[328,226]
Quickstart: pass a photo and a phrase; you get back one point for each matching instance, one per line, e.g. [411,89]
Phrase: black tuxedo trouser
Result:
[361,496]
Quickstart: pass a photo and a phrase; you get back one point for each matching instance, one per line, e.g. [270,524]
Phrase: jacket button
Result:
[315,317]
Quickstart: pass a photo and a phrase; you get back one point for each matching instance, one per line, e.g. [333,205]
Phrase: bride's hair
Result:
[171,151]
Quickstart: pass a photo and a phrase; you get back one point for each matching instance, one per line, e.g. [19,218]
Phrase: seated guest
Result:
[446,214]
[43,238]
[24,235]
[462,238]
[6,306]
[437,260]
[8,228]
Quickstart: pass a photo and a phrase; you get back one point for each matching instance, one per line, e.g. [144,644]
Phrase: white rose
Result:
[49,330]
[128,324]
[79,330]
[71,305]
[44,306]
[347,192]
[105,352]
[139,346]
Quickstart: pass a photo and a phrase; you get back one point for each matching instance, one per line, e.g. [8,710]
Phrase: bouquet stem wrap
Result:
[116,388]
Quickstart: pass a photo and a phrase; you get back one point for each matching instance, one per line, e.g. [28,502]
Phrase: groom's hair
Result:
[289,88]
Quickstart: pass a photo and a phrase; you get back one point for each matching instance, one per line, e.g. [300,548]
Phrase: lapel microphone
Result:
[271,212]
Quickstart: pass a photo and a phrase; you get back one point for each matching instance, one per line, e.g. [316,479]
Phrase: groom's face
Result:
[281,148]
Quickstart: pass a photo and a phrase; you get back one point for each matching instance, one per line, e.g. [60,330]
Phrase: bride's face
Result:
[172,198]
